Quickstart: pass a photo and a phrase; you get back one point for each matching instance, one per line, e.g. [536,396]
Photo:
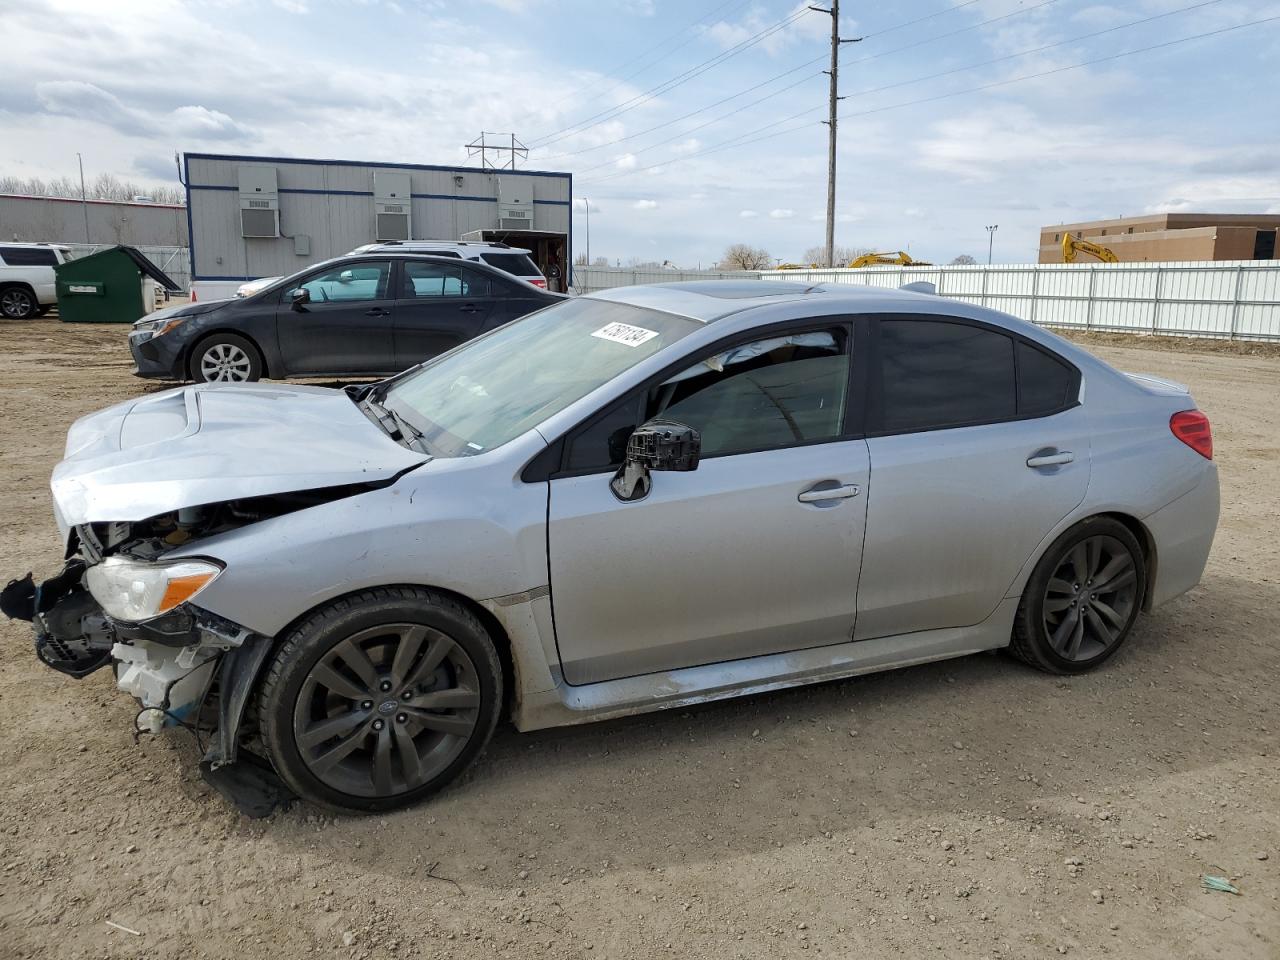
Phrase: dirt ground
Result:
[967,809]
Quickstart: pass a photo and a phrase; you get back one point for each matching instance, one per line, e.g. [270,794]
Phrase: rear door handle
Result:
[1051,459]
[377,312]
[469,308]
[818,494]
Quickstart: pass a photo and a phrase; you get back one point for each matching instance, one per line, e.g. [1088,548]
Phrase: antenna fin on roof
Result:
[921,286]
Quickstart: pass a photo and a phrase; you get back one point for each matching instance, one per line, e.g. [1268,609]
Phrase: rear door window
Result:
[934,374]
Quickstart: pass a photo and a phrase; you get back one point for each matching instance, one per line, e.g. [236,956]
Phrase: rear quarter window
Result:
[1045,383]
[516,264]
[28,257]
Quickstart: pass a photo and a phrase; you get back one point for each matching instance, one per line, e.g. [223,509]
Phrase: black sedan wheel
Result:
[380,699]
[1083,598]
[18,303]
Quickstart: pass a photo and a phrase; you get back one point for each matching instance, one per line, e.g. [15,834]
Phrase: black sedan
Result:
[368,315]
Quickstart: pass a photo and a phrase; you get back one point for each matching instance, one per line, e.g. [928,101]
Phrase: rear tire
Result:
[1082,599]
[225,358]
[380,699]
[18,303]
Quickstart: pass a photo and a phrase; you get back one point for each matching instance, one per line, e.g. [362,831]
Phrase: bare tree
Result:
[106,186]
[580,260]
[842,258]
[743,256]
[600,262]
[964,259]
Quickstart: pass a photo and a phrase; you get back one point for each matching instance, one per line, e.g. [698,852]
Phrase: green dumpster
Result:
[107,286]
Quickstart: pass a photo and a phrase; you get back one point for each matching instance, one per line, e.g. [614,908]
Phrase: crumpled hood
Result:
[215,442]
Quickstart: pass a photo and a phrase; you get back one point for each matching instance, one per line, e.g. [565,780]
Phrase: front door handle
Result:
[470,308]
[818,494]
[1051,459]
[377,312]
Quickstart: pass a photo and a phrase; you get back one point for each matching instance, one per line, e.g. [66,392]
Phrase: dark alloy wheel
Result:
[18,303]
[1082,599]
[380,699]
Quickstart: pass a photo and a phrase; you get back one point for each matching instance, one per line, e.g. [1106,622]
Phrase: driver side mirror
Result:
[656,445]
[300,298]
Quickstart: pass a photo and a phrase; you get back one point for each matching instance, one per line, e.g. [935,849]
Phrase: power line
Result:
[687,32]
[739,142]
[684,133]
[765,83]
[676,81]
[912,23]
[972,66]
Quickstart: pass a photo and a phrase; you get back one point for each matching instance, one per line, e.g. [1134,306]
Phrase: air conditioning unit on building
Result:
[515,215]
[392,206]
[259,202]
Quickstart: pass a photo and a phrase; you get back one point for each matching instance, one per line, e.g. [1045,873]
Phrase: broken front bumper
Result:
[169,664]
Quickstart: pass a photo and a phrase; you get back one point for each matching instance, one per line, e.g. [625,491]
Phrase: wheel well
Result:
[501,641]
[190,352]
[1145,541]
[21,284]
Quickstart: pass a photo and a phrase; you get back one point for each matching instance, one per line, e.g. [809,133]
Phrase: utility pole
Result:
[84,200]
[834,100]
[586,207]
[991,236]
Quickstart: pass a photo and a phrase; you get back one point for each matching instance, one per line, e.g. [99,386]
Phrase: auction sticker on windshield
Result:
[625,333]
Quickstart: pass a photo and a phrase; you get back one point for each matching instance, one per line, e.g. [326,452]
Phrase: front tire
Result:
[226,358]
[381,699]
[1082,599]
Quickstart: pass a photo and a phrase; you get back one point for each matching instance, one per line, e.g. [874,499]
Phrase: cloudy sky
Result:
[688,124]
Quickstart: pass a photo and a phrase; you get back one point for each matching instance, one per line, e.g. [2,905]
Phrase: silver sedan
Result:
[644,498]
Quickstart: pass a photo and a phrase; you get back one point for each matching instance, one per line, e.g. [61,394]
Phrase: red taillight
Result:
[1192,428]
[539,283]
[193,294]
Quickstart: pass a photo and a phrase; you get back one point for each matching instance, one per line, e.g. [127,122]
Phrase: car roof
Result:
[711,300]
[408,246]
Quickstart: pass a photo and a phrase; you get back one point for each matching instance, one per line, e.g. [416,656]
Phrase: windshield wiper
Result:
[396,426]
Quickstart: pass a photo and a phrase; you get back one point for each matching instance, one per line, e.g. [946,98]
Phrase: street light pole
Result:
[586,207]
[991,234]
[84,202]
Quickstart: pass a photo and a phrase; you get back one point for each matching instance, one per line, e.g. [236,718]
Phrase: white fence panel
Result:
[1239,299]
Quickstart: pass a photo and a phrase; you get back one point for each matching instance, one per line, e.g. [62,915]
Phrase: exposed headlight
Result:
[134,590]
[158,328]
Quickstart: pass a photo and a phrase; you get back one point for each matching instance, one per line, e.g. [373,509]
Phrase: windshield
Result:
[491,390]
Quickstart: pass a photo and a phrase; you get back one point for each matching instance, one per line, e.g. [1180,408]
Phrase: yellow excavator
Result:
[1073,245]
[901,259]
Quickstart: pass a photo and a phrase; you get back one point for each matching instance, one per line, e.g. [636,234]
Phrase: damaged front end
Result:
[121,600]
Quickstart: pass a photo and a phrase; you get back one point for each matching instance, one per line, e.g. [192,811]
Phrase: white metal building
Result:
[72,220]
[254,217]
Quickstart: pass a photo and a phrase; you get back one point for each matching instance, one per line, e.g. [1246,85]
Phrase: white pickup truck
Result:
[26,278]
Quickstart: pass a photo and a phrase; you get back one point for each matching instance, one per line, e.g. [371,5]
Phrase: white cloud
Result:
[645,205]
[748,214]
[626,162]
[781,213]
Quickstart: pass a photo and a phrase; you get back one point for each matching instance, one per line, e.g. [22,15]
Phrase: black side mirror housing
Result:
[300,297]
[656,445]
